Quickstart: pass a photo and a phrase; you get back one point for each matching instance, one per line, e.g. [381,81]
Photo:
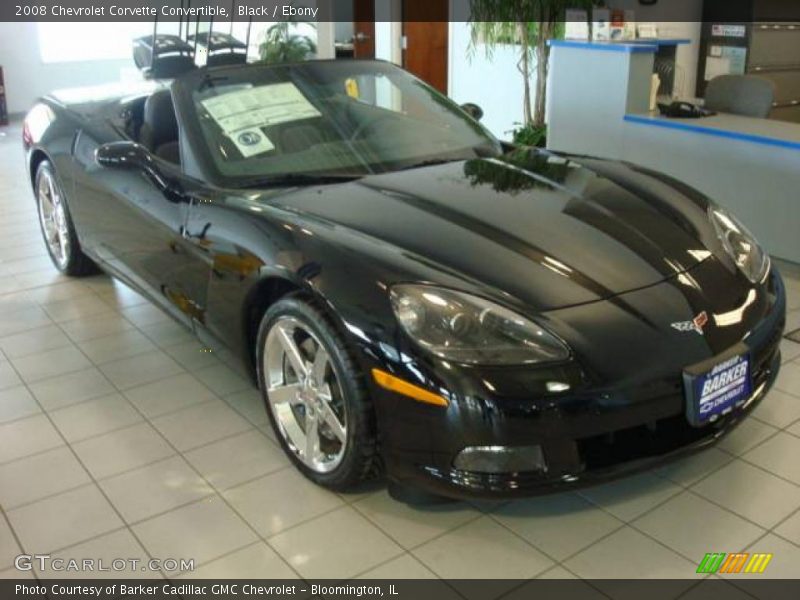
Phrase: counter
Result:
[598,105]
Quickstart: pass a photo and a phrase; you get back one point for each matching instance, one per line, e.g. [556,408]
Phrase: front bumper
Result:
[600,433]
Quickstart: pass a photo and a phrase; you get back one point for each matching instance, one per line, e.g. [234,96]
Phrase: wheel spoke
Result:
[312,438]
[320,366]
[329,416]
[292,351]
[284,394]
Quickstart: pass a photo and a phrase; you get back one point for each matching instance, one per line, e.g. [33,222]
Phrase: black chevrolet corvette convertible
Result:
[413,296]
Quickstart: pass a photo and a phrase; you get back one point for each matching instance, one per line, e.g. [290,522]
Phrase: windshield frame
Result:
[183,89]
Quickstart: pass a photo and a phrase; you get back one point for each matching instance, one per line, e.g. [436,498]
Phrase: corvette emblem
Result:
[695,324]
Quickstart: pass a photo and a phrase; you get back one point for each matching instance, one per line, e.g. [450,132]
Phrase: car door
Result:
[135,226]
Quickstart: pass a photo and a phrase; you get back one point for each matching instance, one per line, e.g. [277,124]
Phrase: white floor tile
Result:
[482,549]
[223,380]
[199,425]
[138,370]
[748,434]
[103,551]
[790,528]
[249,404]
[687,471]
[751,493]
[69,290]
[168,395]
[167,333]
[559,525]
[789,350]
[34,477]
[789,379]
[120,295]
[630,497]
[408,567]
[8,376]
[88,328]
[319,548]
[253,455]
[281,500]
[154,489]
[628,554]
[63,520]
[783,564]
[9,549]
[50,363]
[778,409]
[144,314]
[257,561]
[691,526]
[192,355]
[16,403]
[95,417]
[411,526]
[778,455]
[89,306]
[122,344]
[122,450]
[34,341]
[72,388]
[203,531]
[27,436]
[23,320]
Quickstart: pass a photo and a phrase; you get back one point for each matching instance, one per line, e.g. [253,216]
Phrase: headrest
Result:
[159,117]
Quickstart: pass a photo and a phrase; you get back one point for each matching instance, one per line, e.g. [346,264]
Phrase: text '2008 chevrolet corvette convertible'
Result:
[413,296]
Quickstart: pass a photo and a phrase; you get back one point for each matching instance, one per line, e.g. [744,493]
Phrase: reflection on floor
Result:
[120,438]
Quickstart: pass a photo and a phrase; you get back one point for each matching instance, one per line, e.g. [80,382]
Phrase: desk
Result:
[751,166]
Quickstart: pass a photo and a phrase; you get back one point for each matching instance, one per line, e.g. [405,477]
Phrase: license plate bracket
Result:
[717,386]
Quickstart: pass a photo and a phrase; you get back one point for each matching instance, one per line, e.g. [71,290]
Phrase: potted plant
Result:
[528,24]
[282,45]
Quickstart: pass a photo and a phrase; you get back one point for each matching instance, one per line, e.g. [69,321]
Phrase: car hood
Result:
[551,230]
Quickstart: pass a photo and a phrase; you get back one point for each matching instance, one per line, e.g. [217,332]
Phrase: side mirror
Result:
[123,155]
[132,156]
[473,110]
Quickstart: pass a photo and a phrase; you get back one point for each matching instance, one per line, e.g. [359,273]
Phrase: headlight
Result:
[740,244]
[465,329]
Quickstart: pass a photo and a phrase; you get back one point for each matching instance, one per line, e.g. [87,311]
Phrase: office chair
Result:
[745,95]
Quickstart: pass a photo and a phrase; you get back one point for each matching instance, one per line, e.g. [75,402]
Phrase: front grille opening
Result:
[649,440]
[657,438]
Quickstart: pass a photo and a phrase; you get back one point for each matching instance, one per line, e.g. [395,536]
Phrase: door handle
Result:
[361,37]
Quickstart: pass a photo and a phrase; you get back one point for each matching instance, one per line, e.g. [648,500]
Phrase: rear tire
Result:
[56,224]
[315,395]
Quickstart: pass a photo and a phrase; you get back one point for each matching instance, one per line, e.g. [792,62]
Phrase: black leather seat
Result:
[159,131]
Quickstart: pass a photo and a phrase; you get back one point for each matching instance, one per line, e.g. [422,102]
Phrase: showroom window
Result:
[65,42]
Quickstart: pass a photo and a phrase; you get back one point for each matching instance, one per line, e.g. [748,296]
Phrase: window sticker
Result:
[251,142]
[243,114]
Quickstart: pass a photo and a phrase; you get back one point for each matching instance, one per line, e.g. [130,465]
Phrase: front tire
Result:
[56,225]
[315,395]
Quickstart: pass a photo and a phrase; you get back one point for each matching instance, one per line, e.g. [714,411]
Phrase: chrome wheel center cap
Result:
[309,395]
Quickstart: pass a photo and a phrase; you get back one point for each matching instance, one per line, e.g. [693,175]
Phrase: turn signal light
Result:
[395,384]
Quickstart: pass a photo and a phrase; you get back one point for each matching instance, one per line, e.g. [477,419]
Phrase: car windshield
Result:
[330,119]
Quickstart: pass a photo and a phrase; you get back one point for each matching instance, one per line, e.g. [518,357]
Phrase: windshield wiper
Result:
[289,179]
[429,163]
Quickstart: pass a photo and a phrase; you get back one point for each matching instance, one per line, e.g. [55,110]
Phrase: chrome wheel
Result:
[305,395]
[53,219]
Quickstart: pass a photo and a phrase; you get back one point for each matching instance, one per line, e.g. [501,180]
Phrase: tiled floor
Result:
[119,438]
